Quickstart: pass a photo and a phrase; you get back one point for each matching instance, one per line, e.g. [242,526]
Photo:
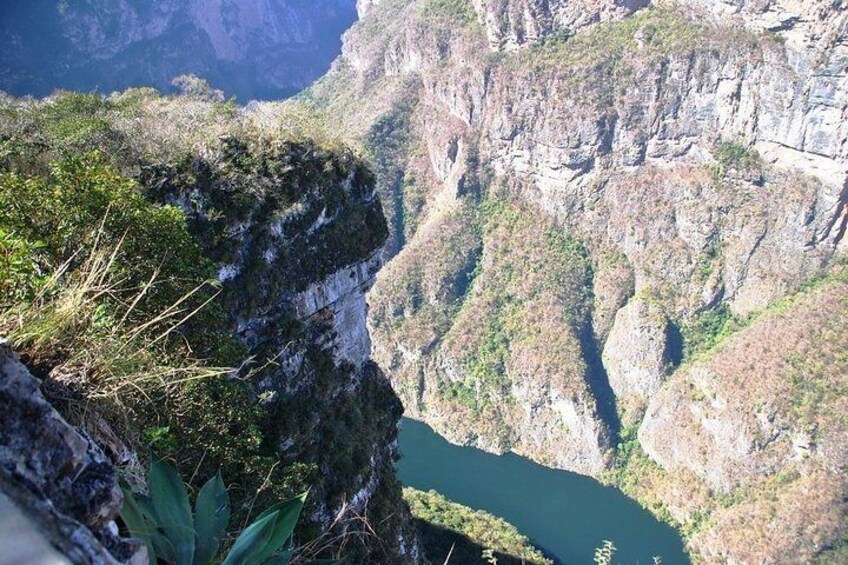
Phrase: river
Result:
[564,514]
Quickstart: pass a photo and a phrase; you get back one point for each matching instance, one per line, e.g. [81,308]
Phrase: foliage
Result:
[128,307]
[77,121]
[732,155]
[73,326]
[490,532]
[20,274]
[63,210]
[527,268]
[708,329]
[130,327]
[195,87]
[452,13]
[172,533]
[660,30]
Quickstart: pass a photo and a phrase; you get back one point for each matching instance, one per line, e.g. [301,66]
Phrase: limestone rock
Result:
[56,475]
[510,24]
[636,355]
[762,414]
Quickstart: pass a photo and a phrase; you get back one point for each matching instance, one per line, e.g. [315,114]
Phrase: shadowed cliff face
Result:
[253,49]
[692,153]
[293,229]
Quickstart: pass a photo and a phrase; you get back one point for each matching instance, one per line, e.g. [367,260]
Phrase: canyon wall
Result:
[293,230]
[586,197]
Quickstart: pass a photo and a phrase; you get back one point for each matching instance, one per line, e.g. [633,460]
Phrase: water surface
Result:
[564,514]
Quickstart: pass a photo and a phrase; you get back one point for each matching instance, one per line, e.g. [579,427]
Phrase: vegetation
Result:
[730,155]
[20,274]
[526,268]
[443,523]
[172,533]
[109,255]
[453,13]
[659,30]
[125,315]
[708,329]
[786,362]
[602,61]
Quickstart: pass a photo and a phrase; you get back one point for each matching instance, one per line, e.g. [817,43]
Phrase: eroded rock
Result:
[57,475]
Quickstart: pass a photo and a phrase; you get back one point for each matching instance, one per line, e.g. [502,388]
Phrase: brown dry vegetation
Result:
[758,426]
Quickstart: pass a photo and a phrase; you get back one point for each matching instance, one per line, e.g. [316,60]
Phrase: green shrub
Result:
[708,329]
[732,155]
[487,531]
[450,12]
[84,202]
[172,533]
[20,274]
[77,121]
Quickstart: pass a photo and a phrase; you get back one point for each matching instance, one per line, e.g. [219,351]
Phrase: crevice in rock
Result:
[839,220]
[598,381]
[673,345]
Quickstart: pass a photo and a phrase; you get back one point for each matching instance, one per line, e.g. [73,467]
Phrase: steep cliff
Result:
[58,480]
[291,228]
[758,424]
[694,151]
[262,49]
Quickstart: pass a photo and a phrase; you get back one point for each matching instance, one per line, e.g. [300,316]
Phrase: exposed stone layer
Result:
[57,475]
[696,149]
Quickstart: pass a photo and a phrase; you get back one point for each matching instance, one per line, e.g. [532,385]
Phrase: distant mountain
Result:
[252,49]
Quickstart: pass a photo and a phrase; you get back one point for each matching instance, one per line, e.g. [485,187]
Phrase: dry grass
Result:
[82,326]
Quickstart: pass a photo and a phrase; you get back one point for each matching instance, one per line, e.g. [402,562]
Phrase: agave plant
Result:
[164,521]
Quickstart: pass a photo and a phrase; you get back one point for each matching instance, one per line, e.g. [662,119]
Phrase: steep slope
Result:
[758,423]
[261,49]
[293,229]
[696,151]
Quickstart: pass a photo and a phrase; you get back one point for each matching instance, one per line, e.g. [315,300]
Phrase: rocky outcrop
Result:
[258,49]
[509,24]
[340,301]
[295,261]
[636,355]
[292,229]
[762,416]
[65,489]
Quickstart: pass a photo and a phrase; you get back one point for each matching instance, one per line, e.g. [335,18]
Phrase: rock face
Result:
[256,49]
[636,355]
[293,228]
[510,24]
[340,300]
[764,413]
[695,150]
[57,476]
[295,262]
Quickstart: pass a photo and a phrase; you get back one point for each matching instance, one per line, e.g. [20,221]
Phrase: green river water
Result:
[564,514]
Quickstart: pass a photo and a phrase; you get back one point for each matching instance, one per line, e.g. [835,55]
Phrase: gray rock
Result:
[635,355]
[56,475]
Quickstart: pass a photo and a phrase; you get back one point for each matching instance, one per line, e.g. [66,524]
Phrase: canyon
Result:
[616,228]
[604,235]
[257,49]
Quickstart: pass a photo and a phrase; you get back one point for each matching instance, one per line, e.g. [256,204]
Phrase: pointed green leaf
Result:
[282,558]
[137,524]
[162,545]
[251,542]
[288,513]
[170,501]
[141,520]
[212,514]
